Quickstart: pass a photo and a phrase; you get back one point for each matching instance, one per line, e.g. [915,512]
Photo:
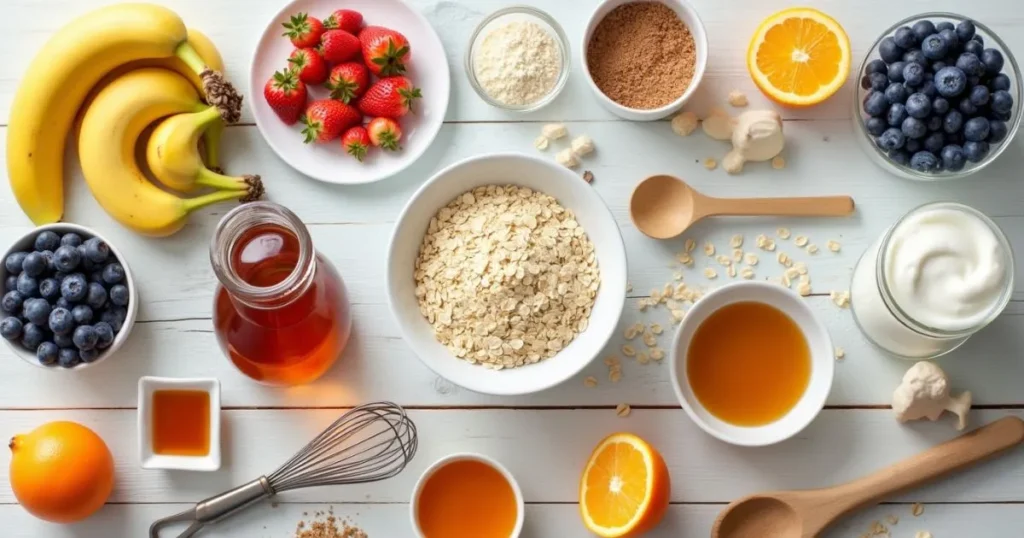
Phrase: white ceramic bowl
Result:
[149,460]
[541,175]
[328,162]
[818,341]
[692,21]
[414,504]
[25,243]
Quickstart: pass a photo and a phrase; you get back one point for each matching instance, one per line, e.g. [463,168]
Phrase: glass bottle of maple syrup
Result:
[280,312]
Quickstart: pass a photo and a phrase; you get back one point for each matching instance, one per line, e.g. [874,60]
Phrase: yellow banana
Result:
[172,154]
[110,128]
[60,77]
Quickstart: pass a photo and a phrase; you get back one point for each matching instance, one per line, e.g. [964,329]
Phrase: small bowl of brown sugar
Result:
[644,59]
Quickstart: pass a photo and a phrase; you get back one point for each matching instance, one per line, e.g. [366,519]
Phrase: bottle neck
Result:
[233,233]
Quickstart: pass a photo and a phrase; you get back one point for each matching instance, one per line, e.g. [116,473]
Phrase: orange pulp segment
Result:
[624,490]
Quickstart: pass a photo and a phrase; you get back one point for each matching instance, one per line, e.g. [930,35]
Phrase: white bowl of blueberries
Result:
[69,300]
[939,97]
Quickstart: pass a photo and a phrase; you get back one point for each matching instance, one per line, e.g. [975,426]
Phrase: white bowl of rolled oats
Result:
[506,274]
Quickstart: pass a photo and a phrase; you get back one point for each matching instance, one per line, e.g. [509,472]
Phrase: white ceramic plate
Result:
[542,175]
[328,162]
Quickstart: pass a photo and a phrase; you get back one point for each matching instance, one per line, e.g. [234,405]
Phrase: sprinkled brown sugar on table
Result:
[641,55]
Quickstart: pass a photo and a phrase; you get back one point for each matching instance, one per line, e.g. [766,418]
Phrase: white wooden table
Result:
[544,439]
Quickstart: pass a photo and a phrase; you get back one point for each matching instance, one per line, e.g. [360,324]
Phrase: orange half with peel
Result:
[799,57]
[625,487]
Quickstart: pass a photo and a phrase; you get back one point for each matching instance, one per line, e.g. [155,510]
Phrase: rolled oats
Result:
[783,233]
[710,163]
[833,245]
[731,271]
[590,382]
[657,354]
[710,273]
[502,265]
[690,245]
[917,509]
[812,249]
[751,258]
[747,273]
[736,241]
[801,241]
[622,410]
[709,249]
[656,328]
[628,351]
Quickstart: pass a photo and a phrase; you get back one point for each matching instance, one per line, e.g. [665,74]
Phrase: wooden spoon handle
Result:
[817,206]
[936,462]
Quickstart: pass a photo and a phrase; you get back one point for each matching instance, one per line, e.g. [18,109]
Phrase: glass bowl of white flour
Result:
[518,59]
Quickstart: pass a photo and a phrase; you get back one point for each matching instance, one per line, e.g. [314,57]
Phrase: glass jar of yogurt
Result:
[940,274]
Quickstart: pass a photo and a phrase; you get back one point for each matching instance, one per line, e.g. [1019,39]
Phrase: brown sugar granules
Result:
[642,55]
[328,528]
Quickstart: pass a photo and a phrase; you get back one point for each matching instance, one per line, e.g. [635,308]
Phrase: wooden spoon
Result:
[805,514]
[663,207]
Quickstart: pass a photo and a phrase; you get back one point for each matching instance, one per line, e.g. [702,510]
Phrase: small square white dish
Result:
[150,460]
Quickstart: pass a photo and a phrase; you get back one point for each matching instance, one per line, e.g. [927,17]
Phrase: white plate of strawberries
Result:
[349,91]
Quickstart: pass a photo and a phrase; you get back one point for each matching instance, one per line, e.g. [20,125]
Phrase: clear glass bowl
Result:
[504,16]
[1010,68]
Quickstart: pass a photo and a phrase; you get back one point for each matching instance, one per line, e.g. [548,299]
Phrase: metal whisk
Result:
[369,443]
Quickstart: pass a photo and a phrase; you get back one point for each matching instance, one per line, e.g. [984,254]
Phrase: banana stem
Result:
[188,54]
[192,204]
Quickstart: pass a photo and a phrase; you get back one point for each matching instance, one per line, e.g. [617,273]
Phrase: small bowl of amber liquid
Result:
[751,364]
[467,495]
[179,423]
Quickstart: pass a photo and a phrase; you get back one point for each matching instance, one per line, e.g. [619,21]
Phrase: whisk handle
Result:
[216,508]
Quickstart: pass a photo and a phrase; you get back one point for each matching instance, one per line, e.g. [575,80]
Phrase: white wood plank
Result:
[545,450]
[542,521]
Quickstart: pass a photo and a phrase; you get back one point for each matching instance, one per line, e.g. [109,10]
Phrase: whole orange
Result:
[61,471]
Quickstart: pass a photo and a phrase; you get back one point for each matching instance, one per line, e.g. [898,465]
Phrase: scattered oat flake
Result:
[590,382]
[812,249]
[731,271]
[737,255]
[710,163]
[892,519]
[833,245]
[622,410]
[677,276]
[769,245]
[657,354]
[541,143]
[709,249]
[629,333]
[737,98]
[615,375]
[710,273]
[656,328]
[650,340]
[917,509]
[747,273]
[801,241]
[628,351]
[840,353]
[783,233]
[689,245]
[723,260]
[782,257]
[685,259]
[804,289]
[923,534]
[801,268]
[642,358]
[778,162]
[750,258]
[840,298]
[878,529]
[736,241]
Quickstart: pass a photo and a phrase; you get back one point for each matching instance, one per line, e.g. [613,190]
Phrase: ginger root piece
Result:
[924,393]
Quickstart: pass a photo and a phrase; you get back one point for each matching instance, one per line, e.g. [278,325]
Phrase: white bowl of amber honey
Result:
[179,423]
[751,364]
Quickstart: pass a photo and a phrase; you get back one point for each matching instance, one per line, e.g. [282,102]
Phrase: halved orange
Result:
[624,490]
[799,57]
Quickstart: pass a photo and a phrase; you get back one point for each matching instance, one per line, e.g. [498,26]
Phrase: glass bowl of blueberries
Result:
[939,97]
[68,300]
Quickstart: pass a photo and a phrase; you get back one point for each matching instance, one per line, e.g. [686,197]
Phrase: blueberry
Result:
[948,35]
[889,50]
[89,355]
[96,276]
[967,107]
[912,146]
[923,29]
[63,340]
[974,48]
[71,239]
[34,264]
[934,143]
[105,333]
[87,264]
[918,105]
[12,301]
[74,288]
[875,66]
[1001,101]
[899,157]
[1001,116]
[13,263]
[49,289]
[10,328]
[891,139]
[976,129]
[993,60]
[934,47]
[47,352]
[28,286]
[913,74]
[119,294]
[913,128]
[47,240]
[48,256]
[61,321]
[944,25]
[32,335]
[973,81]
[924,161]
[895,71]
[865,81]
[11,283]
[965,31]
[874,126]
[97,295]
[904,37]
[82,314]
[85,337]
[63,303]
[896,93]
[111,318]
[979,95]
[996,134]
[950,81]
[934,123]
[68,357]
[953,158]
[877,82]
[999,82]
[975,151]
[66,258]
[37,311]
[940,106]
[979,39]
[97,250]
[897,113]
[970,65]
[953,122]
[937,65]
[120,315]
[915,56]
[113,273]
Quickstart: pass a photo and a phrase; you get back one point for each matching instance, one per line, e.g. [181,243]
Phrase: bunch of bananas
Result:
[126,66]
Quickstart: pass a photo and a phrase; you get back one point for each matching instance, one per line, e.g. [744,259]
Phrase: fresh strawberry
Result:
[348,81]
[356,142]
[303,30]
[338,46]
[390,97]
[385,133]
[385,51]
[286,95]
[345,19]
[310,66]
[326,119]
